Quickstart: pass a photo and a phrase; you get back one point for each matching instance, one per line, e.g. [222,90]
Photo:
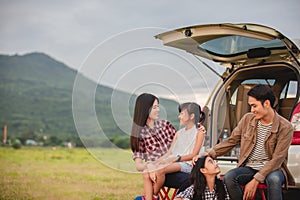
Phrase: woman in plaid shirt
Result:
[150,137]
[205,184]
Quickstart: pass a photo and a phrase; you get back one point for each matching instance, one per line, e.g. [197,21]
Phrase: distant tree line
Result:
[30,138]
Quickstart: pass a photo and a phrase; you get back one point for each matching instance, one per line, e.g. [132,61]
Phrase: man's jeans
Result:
[234,178]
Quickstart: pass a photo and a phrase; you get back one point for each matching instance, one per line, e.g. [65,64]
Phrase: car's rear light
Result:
[295,120]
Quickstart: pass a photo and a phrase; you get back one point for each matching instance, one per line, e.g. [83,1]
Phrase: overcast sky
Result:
[71,31]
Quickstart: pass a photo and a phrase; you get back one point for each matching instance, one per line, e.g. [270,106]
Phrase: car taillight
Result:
[295,120]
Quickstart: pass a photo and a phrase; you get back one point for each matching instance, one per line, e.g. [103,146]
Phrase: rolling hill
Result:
[36,96]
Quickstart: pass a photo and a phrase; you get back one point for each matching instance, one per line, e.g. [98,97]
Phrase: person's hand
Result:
[205,154]
[201,128]
[250,189]
[153,176]
[194,160]
[150,166]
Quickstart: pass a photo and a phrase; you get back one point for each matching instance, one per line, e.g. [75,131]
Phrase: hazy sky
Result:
[70,31]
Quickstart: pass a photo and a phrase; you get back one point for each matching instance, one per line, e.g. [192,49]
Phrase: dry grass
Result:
[42,173]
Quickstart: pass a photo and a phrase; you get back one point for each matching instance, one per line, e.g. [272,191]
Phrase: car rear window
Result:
[230,45]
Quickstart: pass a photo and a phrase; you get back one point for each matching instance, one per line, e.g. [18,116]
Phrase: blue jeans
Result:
[242,175]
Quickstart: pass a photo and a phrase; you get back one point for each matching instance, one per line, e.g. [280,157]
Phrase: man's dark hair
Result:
[262,93]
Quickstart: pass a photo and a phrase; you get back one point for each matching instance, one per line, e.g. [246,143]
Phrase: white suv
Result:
[252,54]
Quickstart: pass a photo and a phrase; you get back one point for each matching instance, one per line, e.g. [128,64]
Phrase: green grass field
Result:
[44,173]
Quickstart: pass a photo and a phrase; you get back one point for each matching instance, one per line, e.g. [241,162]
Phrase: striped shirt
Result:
[155,142]
[258,157]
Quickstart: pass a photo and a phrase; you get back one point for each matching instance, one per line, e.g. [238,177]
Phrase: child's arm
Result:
[199,141]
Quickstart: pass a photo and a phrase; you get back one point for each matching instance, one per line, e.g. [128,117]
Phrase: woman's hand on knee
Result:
[153,177]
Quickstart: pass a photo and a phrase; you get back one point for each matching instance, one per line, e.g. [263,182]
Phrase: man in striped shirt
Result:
[264,138]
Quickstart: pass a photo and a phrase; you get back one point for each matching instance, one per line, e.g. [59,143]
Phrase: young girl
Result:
[186,144]
[205,184]
[150,138]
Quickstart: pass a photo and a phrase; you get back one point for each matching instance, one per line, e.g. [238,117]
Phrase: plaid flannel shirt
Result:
[155,142]
[188,193]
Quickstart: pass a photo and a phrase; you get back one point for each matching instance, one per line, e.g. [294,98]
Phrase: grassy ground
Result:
[43,173]
[71,174]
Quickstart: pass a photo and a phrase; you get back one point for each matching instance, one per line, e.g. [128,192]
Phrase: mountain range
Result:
[36,96]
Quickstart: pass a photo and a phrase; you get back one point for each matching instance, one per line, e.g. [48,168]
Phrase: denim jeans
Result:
[242,175]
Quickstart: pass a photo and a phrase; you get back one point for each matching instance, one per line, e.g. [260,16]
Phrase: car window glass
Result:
[289,90]
[260,81]
[229,45]
[251,82]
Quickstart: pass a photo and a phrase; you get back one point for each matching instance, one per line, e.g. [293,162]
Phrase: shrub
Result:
[16,145]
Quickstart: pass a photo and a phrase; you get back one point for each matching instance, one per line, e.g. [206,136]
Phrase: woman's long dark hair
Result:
[143,105]
[193,108]
[199,181]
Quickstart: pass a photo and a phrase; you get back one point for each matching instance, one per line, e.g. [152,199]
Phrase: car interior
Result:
[281,78]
